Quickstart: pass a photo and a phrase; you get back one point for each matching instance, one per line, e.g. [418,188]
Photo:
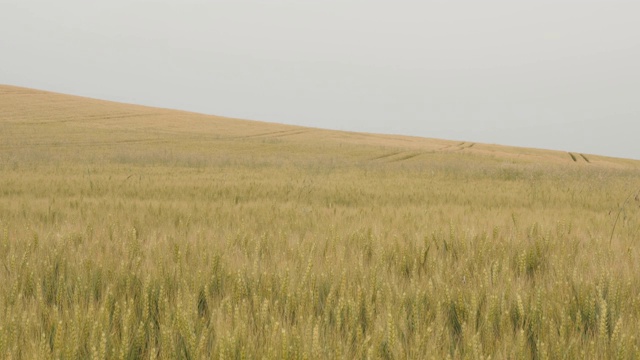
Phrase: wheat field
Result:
[129,232]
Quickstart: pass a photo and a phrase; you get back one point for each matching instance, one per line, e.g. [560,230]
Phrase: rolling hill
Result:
[33,120]
[130,232]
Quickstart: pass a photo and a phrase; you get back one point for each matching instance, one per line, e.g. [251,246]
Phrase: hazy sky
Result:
[551,74]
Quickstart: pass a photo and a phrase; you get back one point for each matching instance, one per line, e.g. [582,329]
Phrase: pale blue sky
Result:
[560,74]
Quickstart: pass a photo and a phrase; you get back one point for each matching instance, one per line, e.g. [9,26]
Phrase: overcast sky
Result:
[561,74]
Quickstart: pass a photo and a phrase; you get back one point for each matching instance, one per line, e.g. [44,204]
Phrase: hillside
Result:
[68,126]
[129,232]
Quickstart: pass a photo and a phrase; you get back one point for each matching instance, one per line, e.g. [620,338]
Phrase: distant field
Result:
[129,232]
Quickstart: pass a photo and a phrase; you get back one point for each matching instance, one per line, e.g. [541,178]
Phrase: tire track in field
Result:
[457,147]
[386,155]
[293,133]
[406,157]
[576,158]
[271,134]
[585,158]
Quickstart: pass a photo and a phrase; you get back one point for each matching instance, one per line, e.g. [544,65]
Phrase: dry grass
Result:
[129,232]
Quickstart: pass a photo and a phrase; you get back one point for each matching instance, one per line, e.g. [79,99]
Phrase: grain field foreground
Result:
[129,232]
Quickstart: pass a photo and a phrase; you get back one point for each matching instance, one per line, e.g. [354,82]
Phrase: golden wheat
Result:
[169,235]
